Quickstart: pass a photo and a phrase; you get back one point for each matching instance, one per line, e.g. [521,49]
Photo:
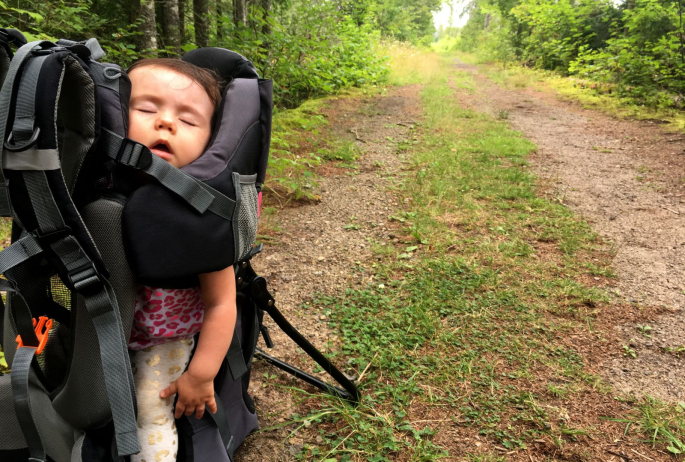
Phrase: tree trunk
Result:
[487,20]
[148,28]
[240,12]
[219,19]
[182,20]
[201,20]
[170,22]
[266,5]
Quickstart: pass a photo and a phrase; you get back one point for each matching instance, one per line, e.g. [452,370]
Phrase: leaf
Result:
[411,248]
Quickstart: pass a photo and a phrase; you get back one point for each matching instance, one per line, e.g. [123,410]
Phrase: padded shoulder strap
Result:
[5,103]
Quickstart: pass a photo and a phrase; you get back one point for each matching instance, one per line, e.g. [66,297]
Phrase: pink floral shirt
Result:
[165,314]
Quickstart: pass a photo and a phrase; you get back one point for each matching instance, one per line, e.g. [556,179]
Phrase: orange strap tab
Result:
[42,328]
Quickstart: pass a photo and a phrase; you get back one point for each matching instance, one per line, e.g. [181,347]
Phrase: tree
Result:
[148,25]
[201,21]
[170,24]
[240,12]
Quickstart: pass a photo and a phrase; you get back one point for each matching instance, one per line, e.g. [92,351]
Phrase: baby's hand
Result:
[194,394]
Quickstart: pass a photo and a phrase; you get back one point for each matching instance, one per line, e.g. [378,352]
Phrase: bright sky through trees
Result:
[442,17]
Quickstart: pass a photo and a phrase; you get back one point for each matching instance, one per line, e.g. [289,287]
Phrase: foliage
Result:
[635,47]
[311,52]
[647,62]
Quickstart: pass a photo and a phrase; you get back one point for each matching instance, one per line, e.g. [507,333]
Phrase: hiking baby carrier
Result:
[86,229]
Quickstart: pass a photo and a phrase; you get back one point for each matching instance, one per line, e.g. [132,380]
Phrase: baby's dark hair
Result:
[207,79]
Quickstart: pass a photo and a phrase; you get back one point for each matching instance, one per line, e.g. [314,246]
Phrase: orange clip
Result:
[42,331]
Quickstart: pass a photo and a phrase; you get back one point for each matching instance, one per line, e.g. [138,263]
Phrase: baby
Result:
[171,112]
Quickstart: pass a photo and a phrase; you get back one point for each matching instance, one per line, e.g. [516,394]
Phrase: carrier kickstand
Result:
[246,277]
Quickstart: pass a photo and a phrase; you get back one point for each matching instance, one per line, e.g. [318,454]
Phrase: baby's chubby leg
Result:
[154,368]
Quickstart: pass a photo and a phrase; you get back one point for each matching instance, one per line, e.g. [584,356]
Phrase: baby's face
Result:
[170,114]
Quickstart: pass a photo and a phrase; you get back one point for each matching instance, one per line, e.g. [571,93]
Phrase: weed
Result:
[629,351]
[645,330]
[662,423]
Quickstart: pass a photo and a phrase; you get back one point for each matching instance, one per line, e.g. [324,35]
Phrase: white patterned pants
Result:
[154,369]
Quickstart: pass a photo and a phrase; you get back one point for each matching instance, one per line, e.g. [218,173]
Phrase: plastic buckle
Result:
[47,51]
[134,154]
[42,328]
[86,279]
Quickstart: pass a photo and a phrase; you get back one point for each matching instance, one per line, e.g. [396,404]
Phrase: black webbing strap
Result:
[196,193]
[235,358]
[221,422]
[101,304]
[23,129]
[5,102]
[20,251]
[21,369]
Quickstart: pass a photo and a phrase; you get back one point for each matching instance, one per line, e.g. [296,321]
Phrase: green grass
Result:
[663,424]
[465,312]
[590,94]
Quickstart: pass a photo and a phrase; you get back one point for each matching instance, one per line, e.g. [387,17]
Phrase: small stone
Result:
[322,317]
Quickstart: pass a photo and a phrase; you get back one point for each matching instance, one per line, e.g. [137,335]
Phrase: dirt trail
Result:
[315,254]
[627,179]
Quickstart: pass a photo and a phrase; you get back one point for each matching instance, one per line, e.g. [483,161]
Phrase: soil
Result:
[316,254]
[627,179]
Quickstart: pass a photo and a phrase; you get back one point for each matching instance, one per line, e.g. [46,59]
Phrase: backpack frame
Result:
[70,396]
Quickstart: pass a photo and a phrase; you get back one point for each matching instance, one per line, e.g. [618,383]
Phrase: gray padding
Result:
[207,446]
[4,64]
[10,433]
[76,114]
[103,219]
[241,110]
[31,159]
[104,75]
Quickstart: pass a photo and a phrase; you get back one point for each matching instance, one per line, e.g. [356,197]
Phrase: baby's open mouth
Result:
[161,147]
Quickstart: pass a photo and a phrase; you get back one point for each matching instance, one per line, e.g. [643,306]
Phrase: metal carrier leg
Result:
[256,285]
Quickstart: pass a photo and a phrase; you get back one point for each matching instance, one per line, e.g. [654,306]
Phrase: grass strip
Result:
[463,324]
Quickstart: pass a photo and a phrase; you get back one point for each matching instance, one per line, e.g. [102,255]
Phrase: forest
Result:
[633,47]
[308,48]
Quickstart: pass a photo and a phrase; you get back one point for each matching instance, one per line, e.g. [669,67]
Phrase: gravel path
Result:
[627,179]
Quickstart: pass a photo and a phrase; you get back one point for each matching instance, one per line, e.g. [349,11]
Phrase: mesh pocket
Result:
[247,216]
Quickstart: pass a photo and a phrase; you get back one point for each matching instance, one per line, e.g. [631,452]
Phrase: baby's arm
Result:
[195,387]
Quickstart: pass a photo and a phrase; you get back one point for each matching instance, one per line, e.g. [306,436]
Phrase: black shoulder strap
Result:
[47,212]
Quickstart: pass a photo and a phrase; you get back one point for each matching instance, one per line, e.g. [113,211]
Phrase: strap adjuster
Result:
[134,154]
[86,279]
[45,239]
[42,328]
